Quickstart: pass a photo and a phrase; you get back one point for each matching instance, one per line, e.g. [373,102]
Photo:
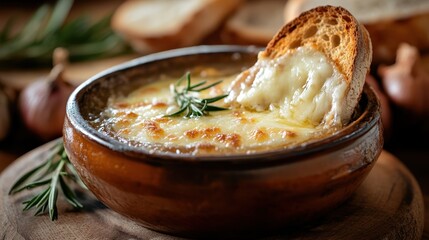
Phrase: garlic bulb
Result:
[407,82]
[42,104]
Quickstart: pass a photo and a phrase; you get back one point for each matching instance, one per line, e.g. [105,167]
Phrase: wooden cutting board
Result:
[388,205]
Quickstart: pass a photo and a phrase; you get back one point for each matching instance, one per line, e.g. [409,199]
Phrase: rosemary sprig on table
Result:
[48,29]
[54,173]
[190,105]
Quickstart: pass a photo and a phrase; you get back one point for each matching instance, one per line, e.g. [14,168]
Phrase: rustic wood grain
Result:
[426,217]
[388,205]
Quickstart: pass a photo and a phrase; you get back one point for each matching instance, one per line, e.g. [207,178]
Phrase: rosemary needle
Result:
[54,173]
[192,106]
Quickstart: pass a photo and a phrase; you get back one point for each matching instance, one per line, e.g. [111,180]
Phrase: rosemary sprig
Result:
[54,173]
[48,29]
[192,106]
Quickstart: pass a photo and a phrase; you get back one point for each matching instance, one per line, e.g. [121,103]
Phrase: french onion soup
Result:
[255,110]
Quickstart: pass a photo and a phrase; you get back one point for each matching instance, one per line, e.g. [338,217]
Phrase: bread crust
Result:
[249,25]
[337,34]
[389,22]
[189,29]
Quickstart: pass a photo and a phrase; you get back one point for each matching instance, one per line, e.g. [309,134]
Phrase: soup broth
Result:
[139,118]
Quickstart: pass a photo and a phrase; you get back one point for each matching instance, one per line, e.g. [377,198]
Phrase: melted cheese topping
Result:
[265,110]
[303,84]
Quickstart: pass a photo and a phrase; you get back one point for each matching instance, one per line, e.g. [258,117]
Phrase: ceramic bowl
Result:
[191,195]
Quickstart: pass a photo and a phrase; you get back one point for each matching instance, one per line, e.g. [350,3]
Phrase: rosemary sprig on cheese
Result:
[55,173]
[190,105]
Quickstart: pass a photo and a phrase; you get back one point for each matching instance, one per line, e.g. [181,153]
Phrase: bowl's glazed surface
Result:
[201,196]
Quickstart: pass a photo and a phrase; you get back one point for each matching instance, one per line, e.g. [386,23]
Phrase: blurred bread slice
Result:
[156,25]
[256,22]
[389,22]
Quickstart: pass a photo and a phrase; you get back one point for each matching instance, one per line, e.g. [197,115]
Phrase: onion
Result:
[407,82]
[42,104]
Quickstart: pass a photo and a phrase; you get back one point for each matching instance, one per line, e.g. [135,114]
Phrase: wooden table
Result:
[388,205]
[416,158]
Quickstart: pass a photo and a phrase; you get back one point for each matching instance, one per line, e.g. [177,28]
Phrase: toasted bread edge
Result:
[320,28]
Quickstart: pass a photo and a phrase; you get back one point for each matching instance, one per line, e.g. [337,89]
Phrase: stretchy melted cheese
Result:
[303,84]
[265,111]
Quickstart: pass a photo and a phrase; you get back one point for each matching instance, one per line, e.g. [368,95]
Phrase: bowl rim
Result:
[364,123]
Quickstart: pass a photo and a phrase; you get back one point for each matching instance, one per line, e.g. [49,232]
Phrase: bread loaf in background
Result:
[389,22]
[255,22]
[157,25]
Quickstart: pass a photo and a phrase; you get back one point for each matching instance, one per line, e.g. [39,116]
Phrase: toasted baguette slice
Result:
[389,22]
[155,25]
[333,33]
[336,33]
[250,24]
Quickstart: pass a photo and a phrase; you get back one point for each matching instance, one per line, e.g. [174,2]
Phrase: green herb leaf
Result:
[15,188]
[27,35]
[33,185]
[52,171]
[48,29]
[69,194]
[58,16]
[191,106]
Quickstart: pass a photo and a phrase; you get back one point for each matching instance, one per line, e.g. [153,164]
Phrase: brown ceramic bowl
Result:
[204,195]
